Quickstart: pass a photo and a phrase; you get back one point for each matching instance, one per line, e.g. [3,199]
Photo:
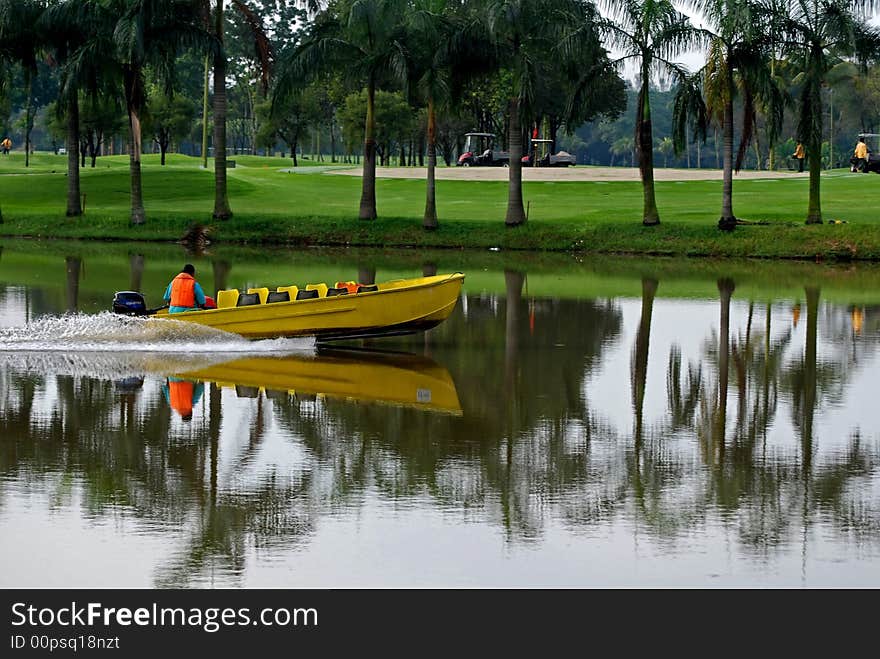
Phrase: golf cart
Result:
[479,151]
[540,156]
[873,163]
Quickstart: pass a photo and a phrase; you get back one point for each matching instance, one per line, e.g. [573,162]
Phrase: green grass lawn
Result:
[275,206]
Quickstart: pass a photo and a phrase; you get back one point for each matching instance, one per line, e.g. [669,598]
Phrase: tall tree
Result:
[431,31]
[169,119]
[216,22]
[652,33]
[815,35]
[365,40]
[739,63]
[525,36]
[80,34]
[151,33]
[23,42]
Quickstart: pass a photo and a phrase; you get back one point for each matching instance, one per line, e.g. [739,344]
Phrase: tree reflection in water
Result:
[527,449]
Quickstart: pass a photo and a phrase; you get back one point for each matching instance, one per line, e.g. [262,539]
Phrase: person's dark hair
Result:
[189,269]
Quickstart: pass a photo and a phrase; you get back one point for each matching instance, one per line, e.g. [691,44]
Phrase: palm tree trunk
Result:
[814,210]
[725,291]
[645,148]
[222,211]
[757,151]
[810,377]
[73,265]
[430,220]
[205,113]
[28,111]
[74,209]
[640,356]
[368,192]
[814,139]
[133,91]
[516,214]
[727,222]
[136,267]
[513,286]
[138,214]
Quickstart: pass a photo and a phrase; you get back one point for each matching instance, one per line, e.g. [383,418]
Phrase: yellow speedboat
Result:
[347,311]
[397,379]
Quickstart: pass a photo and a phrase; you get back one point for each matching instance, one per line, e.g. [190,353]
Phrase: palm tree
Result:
[525,36]
[150,33]
[622,146]
[814,35]
[739,62]
[665,146]
[21,38]
[639,369]
[79,33]
[366,41]
[217,25]
[652,32]
[431,31]
[222,209]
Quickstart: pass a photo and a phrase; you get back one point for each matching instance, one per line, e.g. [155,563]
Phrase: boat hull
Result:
[397,379]
[398,307]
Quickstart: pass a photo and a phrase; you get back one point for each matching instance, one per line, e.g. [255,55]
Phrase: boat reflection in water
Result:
[397,379]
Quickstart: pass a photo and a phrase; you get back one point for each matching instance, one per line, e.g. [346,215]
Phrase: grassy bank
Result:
[277,207]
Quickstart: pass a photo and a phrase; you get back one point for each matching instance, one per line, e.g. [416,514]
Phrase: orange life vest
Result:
[181,396]
[183,291]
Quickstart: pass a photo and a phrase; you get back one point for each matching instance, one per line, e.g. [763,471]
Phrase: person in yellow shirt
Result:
[860,157]
[799,154]
[6,145]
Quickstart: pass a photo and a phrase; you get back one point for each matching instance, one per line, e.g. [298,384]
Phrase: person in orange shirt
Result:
[183,395]
[799,153]
[6,145]
[184,293]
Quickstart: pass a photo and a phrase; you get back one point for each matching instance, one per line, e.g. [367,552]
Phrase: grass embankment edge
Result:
[835,242]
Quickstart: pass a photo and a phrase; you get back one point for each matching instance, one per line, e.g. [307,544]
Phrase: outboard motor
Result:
[130,303]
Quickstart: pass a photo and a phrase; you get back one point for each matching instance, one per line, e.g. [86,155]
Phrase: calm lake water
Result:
[597,422]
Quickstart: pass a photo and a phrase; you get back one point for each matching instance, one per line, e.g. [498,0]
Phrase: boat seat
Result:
[350,286]
[248,299]
[278,296]
[276,394]
[226,299]
[306,295]
[242,391]
[290,290]
[372,288]
[262,292]
[321,288]
[336,291]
